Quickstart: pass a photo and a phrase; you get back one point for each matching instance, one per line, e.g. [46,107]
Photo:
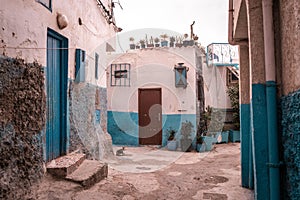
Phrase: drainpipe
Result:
[270,68]
[231,40]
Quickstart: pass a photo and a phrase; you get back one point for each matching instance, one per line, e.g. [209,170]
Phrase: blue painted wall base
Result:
[260,141]
[245,143]
[123,127]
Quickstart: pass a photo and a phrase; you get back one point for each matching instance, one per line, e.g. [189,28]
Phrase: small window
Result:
[46,3]
[180,75]
[232,77]
[120,74]
[96,65]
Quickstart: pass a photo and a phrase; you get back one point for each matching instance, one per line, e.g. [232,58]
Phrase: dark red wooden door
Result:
[150,113]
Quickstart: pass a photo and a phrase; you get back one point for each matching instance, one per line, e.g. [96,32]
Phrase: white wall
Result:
[153,68]
[215,86]
[24,25]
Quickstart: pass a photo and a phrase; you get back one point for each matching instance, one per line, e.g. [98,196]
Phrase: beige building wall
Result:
[24,26]
[290,41]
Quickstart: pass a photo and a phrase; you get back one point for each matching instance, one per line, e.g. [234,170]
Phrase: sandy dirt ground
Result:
[150,173]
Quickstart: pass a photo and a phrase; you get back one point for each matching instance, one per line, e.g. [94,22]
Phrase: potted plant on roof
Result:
[186,41]
[156,40]
[137,46]
[132,45]
[172,41]
[151,42]
[186,133]
[143,44]
[196,39]
[164,42]
[178,41]
[172,143]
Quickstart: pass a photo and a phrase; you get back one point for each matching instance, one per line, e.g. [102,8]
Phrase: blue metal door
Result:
[55,132]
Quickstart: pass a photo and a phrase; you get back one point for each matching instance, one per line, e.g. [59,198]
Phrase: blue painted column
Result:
[245,143]
[259,122]
[244,86]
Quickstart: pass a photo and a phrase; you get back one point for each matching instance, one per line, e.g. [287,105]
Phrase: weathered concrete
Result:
[65,165]
[256,41]
[22,118]
[86,134]
[89,173]
[244,84]
[290,42]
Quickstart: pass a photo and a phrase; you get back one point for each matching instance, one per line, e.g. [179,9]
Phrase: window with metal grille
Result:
[120,74]
[180,75]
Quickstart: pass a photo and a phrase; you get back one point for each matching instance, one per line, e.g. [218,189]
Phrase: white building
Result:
[150,92]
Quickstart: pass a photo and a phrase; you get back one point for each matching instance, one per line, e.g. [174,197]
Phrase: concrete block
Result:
[89,173]
[65,165]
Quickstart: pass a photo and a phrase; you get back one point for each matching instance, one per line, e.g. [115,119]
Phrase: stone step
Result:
[65,165]
[89,173]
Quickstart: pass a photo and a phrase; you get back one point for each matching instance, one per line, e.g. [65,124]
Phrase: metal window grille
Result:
[120,74]
[180,75]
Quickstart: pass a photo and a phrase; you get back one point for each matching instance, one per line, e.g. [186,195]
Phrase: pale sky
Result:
[210,16]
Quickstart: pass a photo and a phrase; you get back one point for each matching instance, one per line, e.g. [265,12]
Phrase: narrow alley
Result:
[209,175]
[147,100]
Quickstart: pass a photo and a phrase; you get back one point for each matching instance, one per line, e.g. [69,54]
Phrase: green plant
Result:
[131,39]
[171,133]
[186,35]
[199,139]
[156,40]
[151,40]
[205,118]
[186,129]
[142,42]
[216,122]
[146,39]
[172,39]
[233,93]
[164,36]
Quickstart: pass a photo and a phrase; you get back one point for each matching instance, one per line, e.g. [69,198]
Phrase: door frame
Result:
[63,90]
[139,106]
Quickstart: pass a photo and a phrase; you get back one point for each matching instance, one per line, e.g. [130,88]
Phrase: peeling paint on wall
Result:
[86,135]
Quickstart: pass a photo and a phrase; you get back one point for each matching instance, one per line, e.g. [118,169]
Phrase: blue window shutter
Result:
[80,66]
[180,77]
